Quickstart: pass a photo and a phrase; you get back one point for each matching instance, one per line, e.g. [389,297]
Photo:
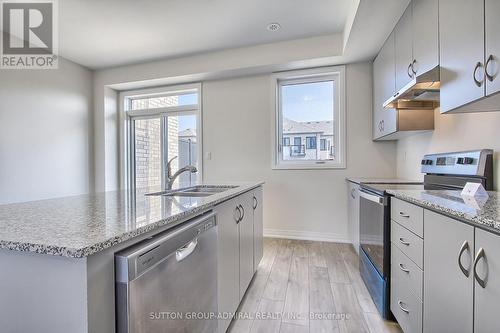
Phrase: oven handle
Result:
[371,197]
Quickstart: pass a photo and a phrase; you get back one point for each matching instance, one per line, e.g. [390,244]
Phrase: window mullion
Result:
[164,147]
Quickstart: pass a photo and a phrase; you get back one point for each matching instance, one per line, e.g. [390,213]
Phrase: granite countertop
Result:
[367,180]
[484,213]
[79,226]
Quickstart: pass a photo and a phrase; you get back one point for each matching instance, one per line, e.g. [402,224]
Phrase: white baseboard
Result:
[307,235]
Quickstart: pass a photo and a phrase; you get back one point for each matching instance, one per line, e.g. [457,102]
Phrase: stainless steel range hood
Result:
[421,93]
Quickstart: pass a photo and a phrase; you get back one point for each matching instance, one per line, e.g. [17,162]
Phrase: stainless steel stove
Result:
[450,171]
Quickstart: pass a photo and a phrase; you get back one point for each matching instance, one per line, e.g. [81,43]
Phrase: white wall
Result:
[312,203]
[45,133]
[453,132]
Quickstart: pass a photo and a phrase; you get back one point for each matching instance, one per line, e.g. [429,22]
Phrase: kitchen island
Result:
[57,255]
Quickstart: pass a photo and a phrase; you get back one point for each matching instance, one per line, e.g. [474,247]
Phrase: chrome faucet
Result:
[170,179]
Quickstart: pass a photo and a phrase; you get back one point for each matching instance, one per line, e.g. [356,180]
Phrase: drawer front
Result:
[408,215]
[406,307]
[408,274]
[409,243]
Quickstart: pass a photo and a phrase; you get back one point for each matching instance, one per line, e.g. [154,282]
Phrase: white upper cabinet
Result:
[425,35]
[492,24]
[384,86]
[461,39]
[404,49]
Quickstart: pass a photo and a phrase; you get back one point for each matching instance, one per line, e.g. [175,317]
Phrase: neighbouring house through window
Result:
[163,125]
[310,107]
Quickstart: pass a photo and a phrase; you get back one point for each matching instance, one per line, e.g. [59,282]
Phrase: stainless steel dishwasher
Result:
[168,283]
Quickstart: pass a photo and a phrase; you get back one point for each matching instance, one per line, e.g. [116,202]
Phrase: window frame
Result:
[127,117]
[332,73]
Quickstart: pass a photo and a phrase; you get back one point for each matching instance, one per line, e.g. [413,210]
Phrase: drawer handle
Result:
[402,241]
[404,215]
[480,254]
[465,247]
[400,303]
[403,268]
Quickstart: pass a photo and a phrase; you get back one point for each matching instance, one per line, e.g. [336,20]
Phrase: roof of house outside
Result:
[187,132]
[323,127]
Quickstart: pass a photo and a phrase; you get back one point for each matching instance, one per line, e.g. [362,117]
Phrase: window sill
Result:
[307,166]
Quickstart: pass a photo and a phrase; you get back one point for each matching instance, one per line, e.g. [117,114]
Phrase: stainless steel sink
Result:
[194,191]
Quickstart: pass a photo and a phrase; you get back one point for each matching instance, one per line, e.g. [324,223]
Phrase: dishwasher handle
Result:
[186,250]
[373,198]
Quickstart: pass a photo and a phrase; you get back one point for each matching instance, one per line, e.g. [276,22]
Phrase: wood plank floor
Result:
[298,278]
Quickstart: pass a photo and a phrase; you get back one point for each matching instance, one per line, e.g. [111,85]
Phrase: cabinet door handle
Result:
[402,241]
[463,248]
[409,71]
[490,77]
[403,268]
[402,214]
[400,303]
[255,202]
[480,254]
[243,212]
[383,125]
[413,67]
[476,81]
[237,214]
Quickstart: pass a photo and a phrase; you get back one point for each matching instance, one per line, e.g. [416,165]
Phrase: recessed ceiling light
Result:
[273,26]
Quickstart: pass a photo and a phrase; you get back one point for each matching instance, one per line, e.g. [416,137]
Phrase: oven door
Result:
[372,216]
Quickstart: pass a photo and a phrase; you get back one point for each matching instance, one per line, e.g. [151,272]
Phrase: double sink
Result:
[194,191]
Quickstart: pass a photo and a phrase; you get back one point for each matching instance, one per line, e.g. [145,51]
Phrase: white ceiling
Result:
[98,34]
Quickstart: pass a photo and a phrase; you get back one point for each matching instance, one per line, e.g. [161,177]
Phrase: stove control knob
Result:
[460,160]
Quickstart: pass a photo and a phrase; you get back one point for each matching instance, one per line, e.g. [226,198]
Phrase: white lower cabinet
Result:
[460,273]
[245,230]
[406,278]
[353,213]
[448,278]
[228,281]
[258,227]
[487,282]
[238,230]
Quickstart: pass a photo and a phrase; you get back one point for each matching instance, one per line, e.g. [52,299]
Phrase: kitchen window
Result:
[310,105]
[161,125]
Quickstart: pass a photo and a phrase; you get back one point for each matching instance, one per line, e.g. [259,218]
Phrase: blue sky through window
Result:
[189,121]
[308,101]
